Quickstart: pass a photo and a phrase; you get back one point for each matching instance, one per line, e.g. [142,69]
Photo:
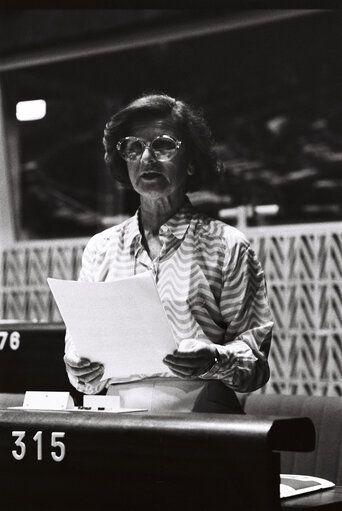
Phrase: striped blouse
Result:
[210,283]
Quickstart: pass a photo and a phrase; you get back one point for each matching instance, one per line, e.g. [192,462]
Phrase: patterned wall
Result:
[303,267]
[24,293]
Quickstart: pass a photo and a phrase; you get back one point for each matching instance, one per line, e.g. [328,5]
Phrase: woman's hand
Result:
[82,369]
[192,358]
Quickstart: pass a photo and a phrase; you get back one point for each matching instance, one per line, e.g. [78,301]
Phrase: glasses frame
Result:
[148,145]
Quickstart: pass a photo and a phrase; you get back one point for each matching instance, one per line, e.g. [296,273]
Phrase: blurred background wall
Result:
[269,82]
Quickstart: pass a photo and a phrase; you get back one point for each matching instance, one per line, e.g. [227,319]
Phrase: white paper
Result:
[294,484]
[121,324]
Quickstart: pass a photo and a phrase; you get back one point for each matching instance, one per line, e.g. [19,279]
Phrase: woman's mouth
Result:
[150,175]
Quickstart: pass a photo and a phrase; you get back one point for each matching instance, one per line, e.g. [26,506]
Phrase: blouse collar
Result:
[178,224]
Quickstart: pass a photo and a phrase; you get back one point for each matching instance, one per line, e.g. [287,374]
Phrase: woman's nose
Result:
[147,155]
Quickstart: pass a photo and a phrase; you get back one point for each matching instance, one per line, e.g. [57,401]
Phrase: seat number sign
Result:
[12,340]
[56,450]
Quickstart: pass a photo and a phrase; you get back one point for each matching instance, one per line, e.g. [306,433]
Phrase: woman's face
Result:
[153,178]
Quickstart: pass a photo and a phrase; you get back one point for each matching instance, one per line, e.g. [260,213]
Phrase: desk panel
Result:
[182,461]
[31,357]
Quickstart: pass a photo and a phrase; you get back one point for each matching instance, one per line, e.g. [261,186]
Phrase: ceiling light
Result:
[31,110]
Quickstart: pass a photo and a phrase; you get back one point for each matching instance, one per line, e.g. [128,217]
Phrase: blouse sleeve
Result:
[242,363]
[86,274]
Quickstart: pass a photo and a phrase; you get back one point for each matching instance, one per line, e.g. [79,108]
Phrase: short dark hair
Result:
[195,132]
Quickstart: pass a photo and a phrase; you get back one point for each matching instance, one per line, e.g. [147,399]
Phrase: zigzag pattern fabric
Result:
[210,283]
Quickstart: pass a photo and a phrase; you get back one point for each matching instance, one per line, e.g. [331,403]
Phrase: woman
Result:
[209,280]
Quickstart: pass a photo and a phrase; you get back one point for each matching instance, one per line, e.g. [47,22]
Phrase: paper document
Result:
[294,484]
[121,324]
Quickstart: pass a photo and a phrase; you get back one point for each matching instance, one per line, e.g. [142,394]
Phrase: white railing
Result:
[303,267]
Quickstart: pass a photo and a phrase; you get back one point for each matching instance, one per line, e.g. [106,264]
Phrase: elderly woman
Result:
[211,285]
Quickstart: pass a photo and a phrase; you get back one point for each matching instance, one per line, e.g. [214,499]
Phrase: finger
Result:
[198,353]
[80,371]
[181,374]
[183,370]
[91,377]
[96,380]
[76,361]
[83,371]
[186,362]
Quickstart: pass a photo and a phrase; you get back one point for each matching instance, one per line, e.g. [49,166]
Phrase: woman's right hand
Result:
[82,369]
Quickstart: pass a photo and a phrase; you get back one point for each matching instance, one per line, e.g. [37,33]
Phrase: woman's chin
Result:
[154,188]
[154,193]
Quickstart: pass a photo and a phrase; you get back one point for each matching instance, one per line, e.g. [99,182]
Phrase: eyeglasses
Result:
[163,148]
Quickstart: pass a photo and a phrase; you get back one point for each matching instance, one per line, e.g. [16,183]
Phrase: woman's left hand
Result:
[192,358]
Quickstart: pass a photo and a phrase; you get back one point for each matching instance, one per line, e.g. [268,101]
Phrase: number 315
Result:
[56,455]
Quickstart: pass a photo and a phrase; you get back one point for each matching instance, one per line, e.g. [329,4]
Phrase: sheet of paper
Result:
[121,324]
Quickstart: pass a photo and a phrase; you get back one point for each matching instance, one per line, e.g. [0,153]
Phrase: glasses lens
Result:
[164,148]
[131,148]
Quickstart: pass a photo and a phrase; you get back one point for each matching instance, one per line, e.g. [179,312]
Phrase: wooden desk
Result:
[85,460]
[325,500]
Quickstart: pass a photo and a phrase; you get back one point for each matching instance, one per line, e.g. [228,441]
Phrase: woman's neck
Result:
[155,212]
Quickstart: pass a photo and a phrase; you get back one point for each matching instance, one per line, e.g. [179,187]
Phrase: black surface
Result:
[128,461]
[38,363]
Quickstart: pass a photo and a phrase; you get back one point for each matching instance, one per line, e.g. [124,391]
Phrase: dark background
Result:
[271,93]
